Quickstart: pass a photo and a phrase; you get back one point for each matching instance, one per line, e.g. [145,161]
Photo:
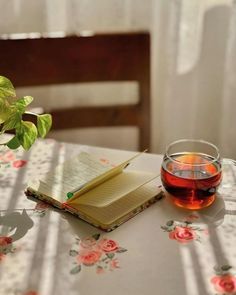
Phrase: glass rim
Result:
[215,159]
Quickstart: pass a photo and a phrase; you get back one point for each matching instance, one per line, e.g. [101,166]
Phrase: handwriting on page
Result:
[75,172]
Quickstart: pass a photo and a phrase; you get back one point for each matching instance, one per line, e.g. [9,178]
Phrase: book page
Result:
[109,214]
[73,173]
[114,189]
[80,174]
[97,181]
[78,171]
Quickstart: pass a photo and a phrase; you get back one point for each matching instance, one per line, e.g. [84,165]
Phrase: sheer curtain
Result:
[193,56]
[194,72]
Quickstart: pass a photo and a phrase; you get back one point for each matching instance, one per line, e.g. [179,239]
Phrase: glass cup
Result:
[191,172]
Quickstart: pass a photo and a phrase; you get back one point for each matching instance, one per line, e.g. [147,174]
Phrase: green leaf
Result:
[11,111]
[12,122]
[13,143]
[26,134]
[44,123]
[170,223]
[121,250]
[165,228]
[4,110]
[24,101]
[110,255]
[6,88]
[96,236]
[226,267]
[73,253]
[21,103]
[75,269]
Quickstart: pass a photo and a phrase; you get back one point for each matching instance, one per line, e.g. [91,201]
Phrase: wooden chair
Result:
[75,59]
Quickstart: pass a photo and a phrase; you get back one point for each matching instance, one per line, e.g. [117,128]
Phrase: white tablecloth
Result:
[163,250]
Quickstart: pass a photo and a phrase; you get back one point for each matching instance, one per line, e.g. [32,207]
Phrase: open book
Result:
[102,194]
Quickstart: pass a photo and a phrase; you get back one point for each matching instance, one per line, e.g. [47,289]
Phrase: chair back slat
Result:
[77,59]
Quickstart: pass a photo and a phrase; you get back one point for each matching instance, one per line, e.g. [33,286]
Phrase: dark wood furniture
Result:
[75,59]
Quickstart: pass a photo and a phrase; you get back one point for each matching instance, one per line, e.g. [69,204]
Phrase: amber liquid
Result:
[191,179]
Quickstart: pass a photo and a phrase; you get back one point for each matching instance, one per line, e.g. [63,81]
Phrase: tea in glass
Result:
[191,173]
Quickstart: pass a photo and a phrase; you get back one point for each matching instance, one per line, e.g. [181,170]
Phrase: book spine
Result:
[41,197]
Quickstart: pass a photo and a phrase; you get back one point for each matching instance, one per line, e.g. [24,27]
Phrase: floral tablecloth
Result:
[163,250]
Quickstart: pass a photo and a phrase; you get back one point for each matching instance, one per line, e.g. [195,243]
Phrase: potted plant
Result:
[12,110]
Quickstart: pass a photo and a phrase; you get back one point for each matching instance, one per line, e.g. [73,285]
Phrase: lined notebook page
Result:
[77,172]
[103,177]
[109,214]
[114,188]
[69,175]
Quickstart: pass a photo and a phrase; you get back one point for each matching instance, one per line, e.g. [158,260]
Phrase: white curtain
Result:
[194,72]
[193,56]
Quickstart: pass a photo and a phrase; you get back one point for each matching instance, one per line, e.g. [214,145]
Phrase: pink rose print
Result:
[183,234]
[88,257]
[41,206]
[91,251]
[108,245]
[19,163]
[225,284]
[88,242]
[114,263]
[7,157]
[224,281]
[5,246]
[10,158]
[5,241]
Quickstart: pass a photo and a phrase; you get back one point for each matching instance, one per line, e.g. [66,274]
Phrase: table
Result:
[163,250]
